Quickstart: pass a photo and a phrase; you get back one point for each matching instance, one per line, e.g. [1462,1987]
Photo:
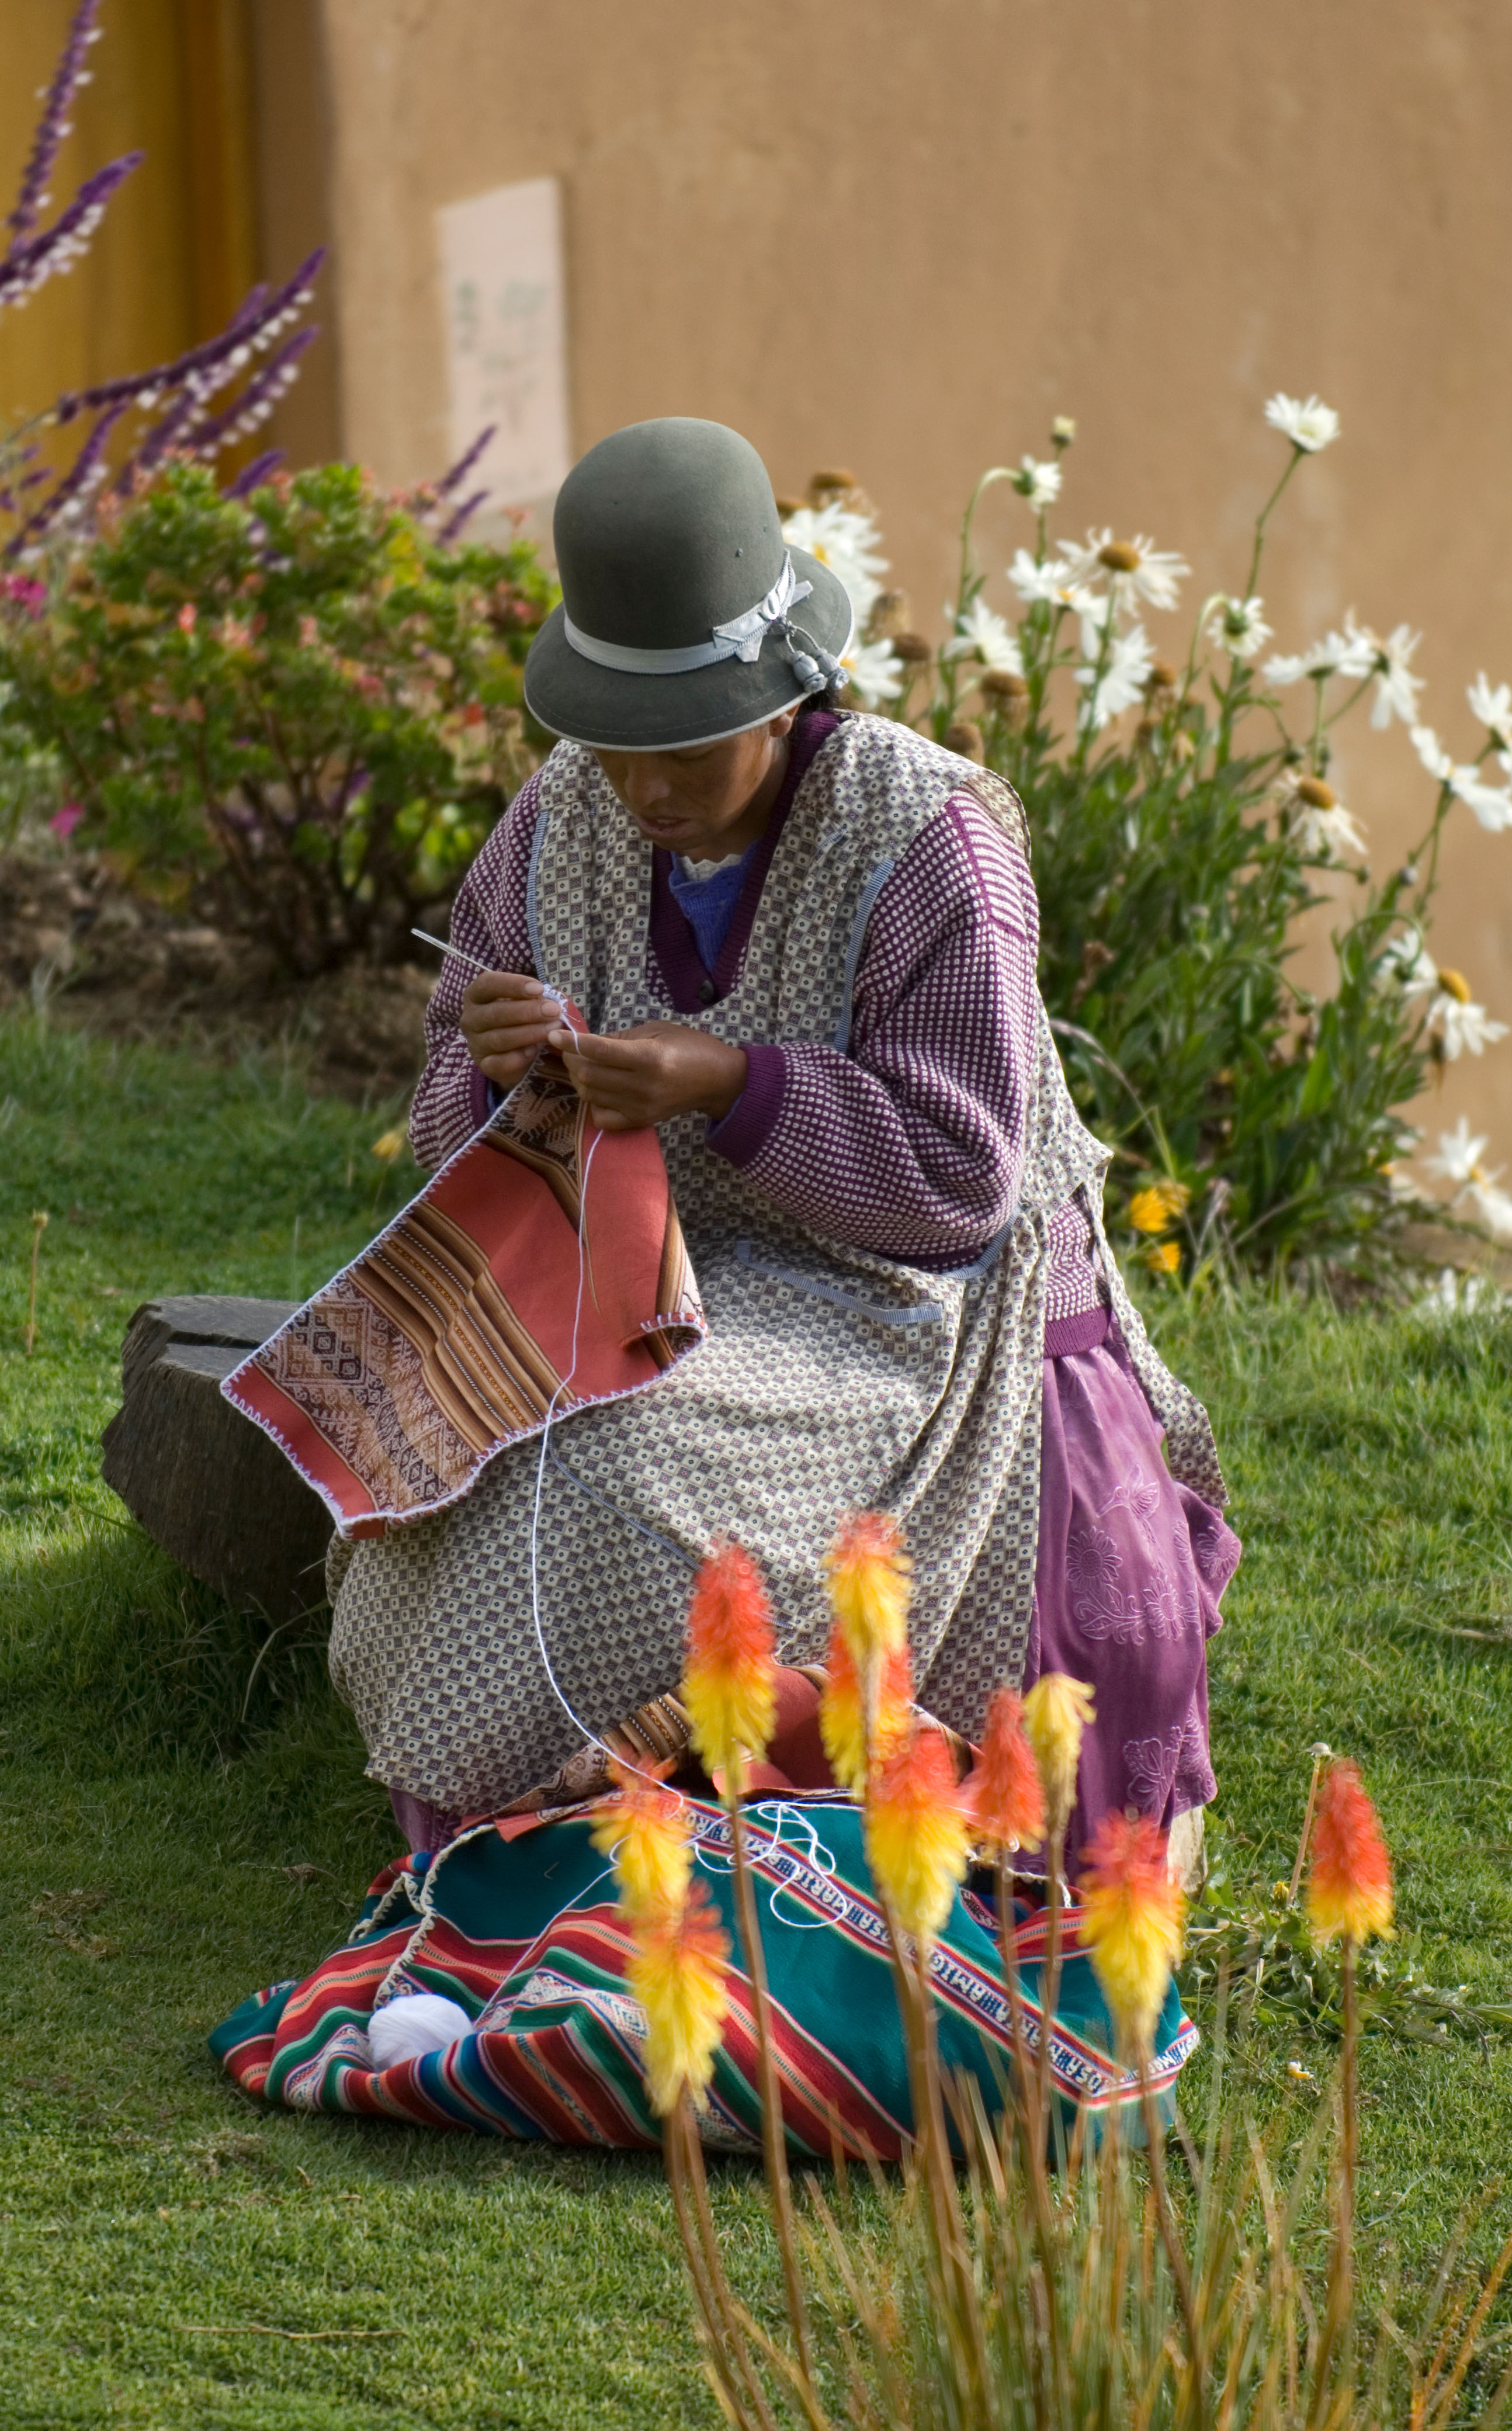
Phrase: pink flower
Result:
[25,590]
[66,819]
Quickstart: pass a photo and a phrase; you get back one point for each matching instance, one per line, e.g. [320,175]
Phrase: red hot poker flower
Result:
[842,1712]
[1349,1887]
[1131,1921]
[1003,1796]
[729,1685]
[915,1833]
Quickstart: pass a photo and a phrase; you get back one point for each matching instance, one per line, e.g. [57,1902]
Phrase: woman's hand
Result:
[645,1076]
[506,1020]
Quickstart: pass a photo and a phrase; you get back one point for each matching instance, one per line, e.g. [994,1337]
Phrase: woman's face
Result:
[709,801]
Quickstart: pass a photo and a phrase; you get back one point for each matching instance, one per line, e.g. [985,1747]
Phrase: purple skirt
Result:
[1131,1568]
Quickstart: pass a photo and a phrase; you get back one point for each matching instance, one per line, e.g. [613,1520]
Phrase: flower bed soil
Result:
[99,956]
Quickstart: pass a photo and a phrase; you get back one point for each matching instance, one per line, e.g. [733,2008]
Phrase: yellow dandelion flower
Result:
[917,1834]
[1158,1205]
[1131,1923]
[1055,1713]
[678,1975]
[392,1144]
[645,1831]
[1163,1257]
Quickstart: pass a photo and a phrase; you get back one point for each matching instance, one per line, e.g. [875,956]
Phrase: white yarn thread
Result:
[576,1720]
[415,2024]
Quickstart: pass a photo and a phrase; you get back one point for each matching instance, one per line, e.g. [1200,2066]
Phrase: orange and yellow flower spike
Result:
[1003,1796]
[645,1832]
[868,1574]
[1348,1886]
[915,1833]
[678,1975]
[1131,1923]
[842,1712]
[729,1684]
[1055,1713]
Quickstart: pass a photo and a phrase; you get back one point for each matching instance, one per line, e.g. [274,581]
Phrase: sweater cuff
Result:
[741,1135]
[482,1098]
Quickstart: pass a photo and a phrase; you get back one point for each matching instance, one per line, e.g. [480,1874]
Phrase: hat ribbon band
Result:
[741,637]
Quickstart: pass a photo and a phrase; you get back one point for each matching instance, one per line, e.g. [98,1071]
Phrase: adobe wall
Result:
[903,237]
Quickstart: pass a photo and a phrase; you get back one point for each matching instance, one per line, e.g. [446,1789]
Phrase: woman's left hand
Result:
[645,1076]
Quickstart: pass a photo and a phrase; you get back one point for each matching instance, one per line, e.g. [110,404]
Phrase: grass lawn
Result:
[166,1855]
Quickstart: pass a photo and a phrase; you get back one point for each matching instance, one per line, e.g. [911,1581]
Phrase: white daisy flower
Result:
[1459,1156]
[1350,654]
[1389,662]
[1309,424]
[875,670]
[983,633]
[1237,627]
[1492,709]
[1039,483]
[1121,681]
[1432,753]
[1136,569]
[1316,817]
[1048,579]
[1407,961]
[1450,1297]
[1461,1026]
[1491,804]
[847,543]
[1494,1208]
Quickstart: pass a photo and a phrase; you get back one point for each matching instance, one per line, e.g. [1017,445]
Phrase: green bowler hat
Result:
[685,615]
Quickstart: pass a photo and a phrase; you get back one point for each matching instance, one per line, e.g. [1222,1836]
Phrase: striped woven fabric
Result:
[455,1332]
[518,1923]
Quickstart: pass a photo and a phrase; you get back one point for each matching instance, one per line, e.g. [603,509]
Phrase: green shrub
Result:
[1180,828]
[300,697]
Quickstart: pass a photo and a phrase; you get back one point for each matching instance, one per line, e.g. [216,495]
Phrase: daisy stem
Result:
[1264,517]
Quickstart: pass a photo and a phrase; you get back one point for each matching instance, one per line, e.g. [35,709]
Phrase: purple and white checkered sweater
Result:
[910,1144]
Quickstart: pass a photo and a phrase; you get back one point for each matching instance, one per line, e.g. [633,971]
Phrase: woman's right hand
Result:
[506,1020]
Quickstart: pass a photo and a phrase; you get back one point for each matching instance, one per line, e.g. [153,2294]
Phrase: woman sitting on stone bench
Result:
[805,943]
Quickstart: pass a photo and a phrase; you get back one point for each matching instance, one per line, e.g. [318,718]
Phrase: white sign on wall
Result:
[506,336]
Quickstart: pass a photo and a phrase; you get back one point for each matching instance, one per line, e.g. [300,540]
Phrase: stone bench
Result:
[207,1485]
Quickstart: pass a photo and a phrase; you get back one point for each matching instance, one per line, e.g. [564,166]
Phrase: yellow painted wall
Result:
[900,234]
[224,98]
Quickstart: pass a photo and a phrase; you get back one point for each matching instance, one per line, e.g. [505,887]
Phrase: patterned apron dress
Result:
[832,1380]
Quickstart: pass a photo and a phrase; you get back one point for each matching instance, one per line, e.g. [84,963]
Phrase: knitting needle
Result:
[471,960]
[442,948]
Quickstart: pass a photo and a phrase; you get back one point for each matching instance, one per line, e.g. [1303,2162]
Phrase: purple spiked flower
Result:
[25,267]
[255,474]
[454,479]
[53,125]
[66,502]
[257,400]
[253,327]
[455,525]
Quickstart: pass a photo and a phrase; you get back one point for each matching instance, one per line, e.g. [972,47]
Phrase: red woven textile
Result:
[452,1336]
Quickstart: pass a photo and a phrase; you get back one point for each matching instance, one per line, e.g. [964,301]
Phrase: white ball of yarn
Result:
[415,2024]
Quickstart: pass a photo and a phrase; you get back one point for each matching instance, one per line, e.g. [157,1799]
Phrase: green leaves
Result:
[299,699]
